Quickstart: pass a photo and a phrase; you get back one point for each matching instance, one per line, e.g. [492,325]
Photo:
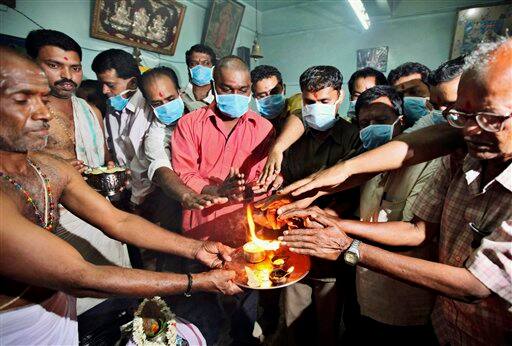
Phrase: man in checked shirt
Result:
[467,206]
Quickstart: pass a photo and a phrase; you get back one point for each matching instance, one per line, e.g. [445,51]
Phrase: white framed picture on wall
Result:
[480,24]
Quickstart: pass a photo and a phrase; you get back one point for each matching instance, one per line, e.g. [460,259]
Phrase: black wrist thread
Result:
[189,286]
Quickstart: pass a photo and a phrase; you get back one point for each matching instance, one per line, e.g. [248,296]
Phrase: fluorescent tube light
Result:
[360,11]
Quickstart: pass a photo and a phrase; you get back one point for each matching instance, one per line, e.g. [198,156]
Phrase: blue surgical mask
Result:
[271,106]
[351,113]
[170,112]
[233,105]
[201,75]
[414,108]
[376,135]
[437,117]
[118,102]
[319,116]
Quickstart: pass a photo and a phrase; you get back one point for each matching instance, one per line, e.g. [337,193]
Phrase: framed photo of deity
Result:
[151,25]
[376,58]
[222,25]
[479,24]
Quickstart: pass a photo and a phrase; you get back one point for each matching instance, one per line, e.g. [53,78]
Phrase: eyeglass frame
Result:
[477,116]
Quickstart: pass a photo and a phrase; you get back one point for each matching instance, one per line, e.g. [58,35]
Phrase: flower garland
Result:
[140,338]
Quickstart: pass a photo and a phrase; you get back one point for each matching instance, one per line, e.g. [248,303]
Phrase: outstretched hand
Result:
[194,200]
[327,242]
[325,179]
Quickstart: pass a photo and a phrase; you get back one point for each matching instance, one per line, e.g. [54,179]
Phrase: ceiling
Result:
[395,8]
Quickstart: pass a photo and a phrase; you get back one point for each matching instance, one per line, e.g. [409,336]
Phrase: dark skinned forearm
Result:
[109,281]
[171,184]
[134,230]
[453,282]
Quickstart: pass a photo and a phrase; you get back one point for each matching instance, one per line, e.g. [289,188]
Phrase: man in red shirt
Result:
[220,150]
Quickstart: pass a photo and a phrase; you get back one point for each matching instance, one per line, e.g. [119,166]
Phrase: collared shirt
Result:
[312,153]
[157,146]
[125,137]
[190,100]
[454,198]
[293,106]
[389,197]
[203,151]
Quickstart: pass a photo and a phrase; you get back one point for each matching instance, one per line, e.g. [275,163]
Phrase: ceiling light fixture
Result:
[360,11]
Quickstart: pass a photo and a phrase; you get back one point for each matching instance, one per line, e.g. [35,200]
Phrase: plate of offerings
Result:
[263,263]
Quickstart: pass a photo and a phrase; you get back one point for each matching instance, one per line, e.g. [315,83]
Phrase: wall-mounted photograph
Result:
[151,25]
[478,24]
[373,57]
[222,25]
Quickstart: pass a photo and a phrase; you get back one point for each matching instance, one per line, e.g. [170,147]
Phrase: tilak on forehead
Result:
[66,58]
[160,94]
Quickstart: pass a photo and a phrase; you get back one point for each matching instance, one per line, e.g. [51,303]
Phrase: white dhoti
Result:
[52,322]
[93,245]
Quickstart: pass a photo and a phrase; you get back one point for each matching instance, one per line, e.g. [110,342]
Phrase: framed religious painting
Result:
[480,24]
[222,25]
[373,57]
[151,25]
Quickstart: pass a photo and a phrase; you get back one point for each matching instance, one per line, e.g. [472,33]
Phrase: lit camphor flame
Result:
[270,245]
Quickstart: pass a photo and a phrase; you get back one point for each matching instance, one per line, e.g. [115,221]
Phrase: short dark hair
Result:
[90,90]
[366,72]
[123,62]
[447,71]
[319,77]
[370,95]
[406,69]
[44,37]
[263,72]
[200,48]
[154,72]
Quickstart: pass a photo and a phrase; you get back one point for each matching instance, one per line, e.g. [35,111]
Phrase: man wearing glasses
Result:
[466,206]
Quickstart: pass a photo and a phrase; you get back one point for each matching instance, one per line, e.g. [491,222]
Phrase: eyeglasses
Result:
[489,122]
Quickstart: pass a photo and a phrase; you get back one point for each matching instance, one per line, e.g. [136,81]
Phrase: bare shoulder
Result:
[56,166]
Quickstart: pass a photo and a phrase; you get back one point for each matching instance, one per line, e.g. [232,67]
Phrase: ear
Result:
[132,84]
[342,96]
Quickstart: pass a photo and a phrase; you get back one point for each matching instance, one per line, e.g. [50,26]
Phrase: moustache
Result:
[65,80]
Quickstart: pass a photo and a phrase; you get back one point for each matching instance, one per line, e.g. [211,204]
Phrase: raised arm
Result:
[292,130]
[406,150]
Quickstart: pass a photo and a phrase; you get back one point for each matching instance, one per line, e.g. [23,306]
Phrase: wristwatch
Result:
[351,256]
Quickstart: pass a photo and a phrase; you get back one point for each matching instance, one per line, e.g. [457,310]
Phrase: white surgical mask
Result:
[320,116]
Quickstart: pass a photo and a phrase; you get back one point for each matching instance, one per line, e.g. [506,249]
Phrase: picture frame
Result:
[376,58]
[151,25]
[478,24]
[222,26]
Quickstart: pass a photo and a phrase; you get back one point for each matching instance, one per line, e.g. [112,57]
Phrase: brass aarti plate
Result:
[301,265]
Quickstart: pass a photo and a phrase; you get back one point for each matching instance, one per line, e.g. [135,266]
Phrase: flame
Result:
[264,244]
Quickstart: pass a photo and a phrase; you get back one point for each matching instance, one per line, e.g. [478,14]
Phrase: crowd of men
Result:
[406,198]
